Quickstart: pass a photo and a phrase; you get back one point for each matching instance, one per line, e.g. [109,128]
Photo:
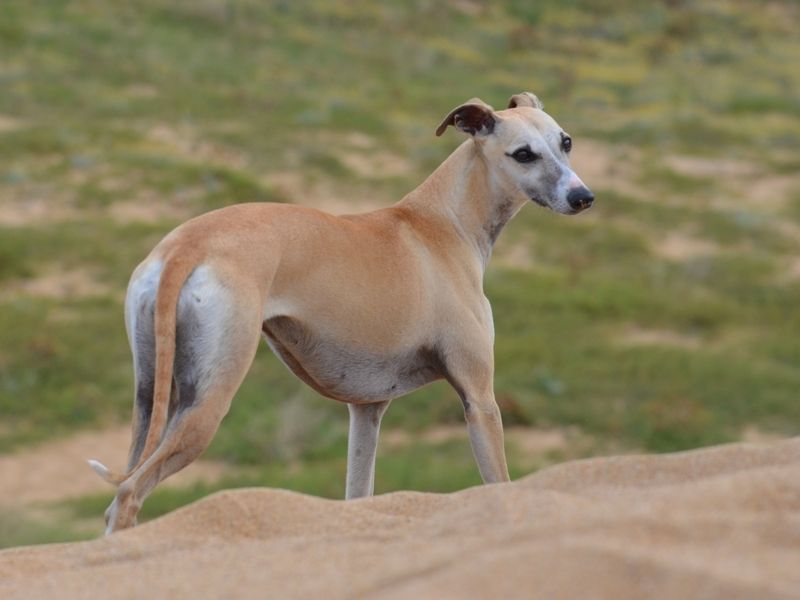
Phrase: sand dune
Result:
[715,523]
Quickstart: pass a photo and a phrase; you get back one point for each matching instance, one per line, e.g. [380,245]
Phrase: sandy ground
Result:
[722,522]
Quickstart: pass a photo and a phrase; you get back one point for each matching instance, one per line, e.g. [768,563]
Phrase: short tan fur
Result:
[364,308]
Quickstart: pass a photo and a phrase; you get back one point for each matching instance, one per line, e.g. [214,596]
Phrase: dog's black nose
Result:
[580,197]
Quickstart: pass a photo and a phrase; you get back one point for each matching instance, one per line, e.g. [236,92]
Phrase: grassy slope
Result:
[196,105]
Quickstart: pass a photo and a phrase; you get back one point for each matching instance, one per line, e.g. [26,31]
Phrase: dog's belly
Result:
[347,374]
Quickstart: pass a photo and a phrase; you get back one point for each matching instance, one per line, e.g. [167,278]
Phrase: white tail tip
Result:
[100,469]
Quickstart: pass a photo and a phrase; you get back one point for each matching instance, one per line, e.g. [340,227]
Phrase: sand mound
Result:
[715,523]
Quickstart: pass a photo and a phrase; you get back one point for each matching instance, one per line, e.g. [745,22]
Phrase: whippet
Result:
[363,308]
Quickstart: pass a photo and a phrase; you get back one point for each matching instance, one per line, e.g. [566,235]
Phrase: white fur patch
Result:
[206,302]
[143,286]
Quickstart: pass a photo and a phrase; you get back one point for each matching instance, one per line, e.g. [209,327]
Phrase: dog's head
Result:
[526,151]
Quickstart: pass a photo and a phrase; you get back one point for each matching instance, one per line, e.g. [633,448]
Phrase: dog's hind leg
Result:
[188,434]
[362,444]
[143,345]
[216,340]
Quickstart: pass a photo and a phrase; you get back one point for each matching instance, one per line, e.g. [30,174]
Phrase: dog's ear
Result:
[525,99]
[474,117]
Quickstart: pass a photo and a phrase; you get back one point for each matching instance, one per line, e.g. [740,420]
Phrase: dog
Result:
[363,308]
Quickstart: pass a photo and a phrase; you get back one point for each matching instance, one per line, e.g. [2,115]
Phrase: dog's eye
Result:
[566,144]
[525,155]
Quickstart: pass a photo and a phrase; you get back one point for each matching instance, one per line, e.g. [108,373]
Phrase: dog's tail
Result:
[176,272]
[106,473]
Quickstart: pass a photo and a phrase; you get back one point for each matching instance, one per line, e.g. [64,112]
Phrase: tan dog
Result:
[363,308]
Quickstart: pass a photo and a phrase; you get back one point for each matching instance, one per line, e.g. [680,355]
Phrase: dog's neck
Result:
[462,191]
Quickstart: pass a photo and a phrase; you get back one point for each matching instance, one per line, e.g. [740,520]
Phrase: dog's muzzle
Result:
[580,198]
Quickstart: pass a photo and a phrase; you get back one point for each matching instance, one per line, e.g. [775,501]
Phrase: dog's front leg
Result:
[485,429]
[471,373]
[362,444]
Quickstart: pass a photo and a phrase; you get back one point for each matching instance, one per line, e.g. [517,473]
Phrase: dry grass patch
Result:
[147,207]
[792,272]
[532,443]
[607,166]
[770,192]
[57,284]
[183,141]
[55,471]
[695,166]
[322,195]
[140,90]
[638,336]
[373,164]
[743,181]
[754,435]
[8,123]
[20,210]
[681,246]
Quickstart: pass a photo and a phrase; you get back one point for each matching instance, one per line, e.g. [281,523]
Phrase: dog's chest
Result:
[345,373]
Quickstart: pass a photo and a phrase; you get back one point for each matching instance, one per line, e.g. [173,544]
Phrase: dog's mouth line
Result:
[538,201]
[579,210]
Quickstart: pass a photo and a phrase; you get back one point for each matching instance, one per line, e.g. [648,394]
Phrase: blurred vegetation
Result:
[119,120]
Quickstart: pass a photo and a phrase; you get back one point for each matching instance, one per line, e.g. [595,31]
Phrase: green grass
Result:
[195,105]
[20,529]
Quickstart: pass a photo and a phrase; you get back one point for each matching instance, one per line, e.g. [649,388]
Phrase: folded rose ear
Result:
[525,99]
[474,117]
